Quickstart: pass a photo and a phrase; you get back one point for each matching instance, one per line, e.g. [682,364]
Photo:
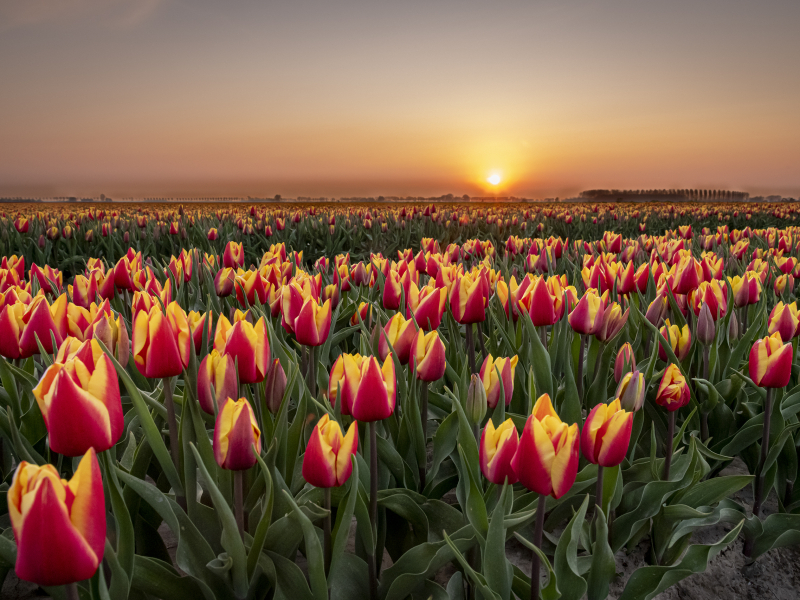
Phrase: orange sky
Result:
[179,98]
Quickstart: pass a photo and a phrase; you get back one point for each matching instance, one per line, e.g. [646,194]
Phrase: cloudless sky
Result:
[325,97]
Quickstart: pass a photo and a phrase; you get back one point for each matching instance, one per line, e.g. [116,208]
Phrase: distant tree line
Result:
[722,195]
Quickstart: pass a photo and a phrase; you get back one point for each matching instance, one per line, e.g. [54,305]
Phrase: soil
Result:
[775,575]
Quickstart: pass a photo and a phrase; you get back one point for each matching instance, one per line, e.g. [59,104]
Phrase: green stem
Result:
[326,529]
[71,591]
[238,501]
[424,414]
[373,506]
[668,449]
[537,541]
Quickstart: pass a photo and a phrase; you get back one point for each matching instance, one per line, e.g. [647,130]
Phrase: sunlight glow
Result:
[494,179]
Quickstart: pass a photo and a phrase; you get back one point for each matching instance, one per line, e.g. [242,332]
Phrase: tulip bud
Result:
[476,400]
[625,362]
[733,328]
[428,356]
[706,330]
[275,386]
[236,435]
[374,388]
[631,390]
[657,310]
[59,526]
[497,450]
[326,462]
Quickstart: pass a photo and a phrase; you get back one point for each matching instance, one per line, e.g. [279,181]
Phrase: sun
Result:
[494,179]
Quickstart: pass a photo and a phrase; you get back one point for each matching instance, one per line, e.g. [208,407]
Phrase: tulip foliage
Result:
[362,402]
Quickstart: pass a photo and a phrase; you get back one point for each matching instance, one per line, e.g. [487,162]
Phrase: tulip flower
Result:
[428,356]
[785,320]
[218,370]
[161,343]
[400,333]
[587,317]
[233,256]
[364,311]
[427,305]
[770,363]
[468,299]
[275,386]
[80,402]
[236,435]
[326,462]
[313,323]
[224,281]
[680,340]
[606,434]
[673,392]
[543,307]
[373,389]
[114,334]
[546,461]
[248,345]
[625,361]
[59,526]
[21,324]
[346,371]
[746,289]
[497,450]
[688,273]
[51,281]
[613,322]
[491,382]
[631,390]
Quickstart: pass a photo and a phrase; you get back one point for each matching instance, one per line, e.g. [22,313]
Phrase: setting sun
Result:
[494,179]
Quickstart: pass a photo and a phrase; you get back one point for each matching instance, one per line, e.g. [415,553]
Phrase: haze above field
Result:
[322,98]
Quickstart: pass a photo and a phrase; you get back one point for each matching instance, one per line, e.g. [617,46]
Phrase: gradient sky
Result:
[324,97]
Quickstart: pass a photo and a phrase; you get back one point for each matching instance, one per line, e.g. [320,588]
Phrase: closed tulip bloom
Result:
[770,364]
[746,289]
[784,319]
[606,434]
[375,390]
[233,256]
[631,390]
[673,393]
[326,462]
[218,370]
[80,402]
[236,435]
[224,281]
[688,273]
[59,526]
[468,299]
[364,311]
[542,305]
[712,293]
[546,461]
[613,322]
[427,305]
[587,317]
[400,333]
[625,361]
[428,356]
[680,340]
[248,345]
[782,283]
[657,310]
[313,324]
[497,450]
[21,323]
[392,291]
[114,334]
[156,345]
[346,372]
[491,382]
[275,386]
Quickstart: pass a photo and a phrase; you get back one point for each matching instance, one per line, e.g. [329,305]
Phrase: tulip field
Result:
[393,401]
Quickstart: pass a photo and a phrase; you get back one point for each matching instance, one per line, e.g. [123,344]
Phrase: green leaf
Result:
[230,533]
[316,565]
[540,359]
[159,579]
[647,582]
[497,569]
[603,567]
[266,519]
[778,530]
[344,516]
[478,580]
[148,425]
[571,585]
